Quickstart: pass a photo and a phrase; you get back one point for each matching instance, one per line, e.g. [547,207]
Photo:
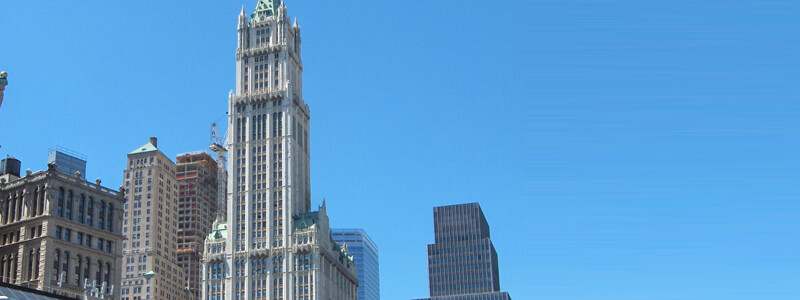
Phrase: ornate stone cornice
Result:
[252,98]
[257,51]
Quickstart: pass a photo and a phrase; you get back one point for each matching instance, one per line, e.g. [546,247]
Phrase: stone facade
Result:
[59,229]
[272,246]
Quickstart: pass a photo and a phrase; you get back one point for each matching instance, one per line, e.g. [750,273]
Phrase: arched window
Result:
[30,264]
[2,267]
[35,202]
[99,275]
[68,210]
[107,278]
[12,274]
[86,268]
[110,217]
[78,269]
[81,208]
[65,267]
[60,207]
[89,211]
[41,201]
[56,264]
[7,215]
[101,214]
[37,260]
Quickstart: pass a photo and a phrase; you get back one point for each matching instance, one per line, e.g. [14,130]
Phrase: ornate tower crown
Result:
[266,9]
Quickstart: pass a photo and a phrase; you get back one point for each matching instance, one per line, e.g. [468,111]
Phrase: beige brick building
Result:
[150,226]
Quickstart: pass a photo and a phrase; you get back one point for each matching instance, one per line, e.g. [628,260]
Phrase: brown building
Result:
[59,232]
[196,175]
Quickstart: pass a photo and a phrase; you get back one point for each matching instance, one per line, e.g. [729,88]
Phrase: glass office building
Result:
[462,263]
[365,253]
[67,161]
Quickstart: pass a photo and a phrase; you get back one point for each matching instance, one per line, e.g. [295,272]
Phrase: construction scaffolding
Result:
[197,205]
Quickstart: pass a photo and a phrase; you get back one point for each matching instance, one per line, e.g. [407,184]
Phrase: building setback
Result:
[196,174]
[462,263]
[150,227]
[271,245]
[365,254]
[58,229]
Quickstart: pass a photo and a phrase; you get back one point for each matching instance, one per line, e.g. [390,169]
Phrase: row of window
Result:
[81,271]
[66,235]
[86,209]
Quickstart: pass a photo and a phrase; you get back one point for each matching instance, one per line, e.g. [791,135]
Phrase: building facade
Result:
[196,174]
[273,246]
[462,263]
[365,254]
[60,234]
[150,227]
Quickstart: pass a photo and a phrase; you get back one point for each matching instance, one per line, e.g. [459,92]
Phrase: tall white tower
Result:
[272,246]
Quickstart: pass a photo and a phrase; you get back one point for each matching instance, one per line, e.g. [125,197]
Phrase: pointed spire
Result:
[295,22]
[242,13]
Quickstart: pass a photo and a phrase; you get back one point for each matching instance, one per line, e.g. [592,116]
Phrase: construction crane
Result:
[217,146]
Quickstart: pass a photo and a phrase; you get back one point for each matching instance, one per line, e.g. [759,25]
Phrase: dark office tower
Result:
[462,264]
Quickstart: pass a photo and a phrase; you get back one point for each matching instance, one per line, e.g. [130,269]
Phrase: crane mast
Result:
[217,146]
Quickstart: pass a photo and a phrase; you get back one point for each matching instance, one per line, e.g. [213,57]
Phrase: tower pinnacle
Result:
[267,8]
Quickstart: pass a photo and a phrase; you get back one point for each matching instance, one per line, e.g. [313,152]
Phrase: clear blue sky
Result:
[619,149]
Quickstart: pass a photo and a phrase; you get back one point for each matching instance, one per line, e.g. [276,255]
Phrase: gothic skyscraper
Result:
[272,246]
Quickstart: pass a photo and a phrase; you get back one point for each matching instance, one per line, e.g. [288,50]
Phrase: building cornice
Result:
[258,51]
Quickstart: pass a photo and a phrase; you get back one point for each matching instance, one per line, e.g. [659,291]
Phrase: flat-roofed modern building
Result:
[60,234]
[365,254]
[462,263]
[67,161]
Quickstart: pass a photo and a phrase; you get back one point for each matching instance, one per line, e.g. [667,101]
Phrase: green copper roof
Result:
[266,8]
[144,148]
[221,232]
[306,220]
